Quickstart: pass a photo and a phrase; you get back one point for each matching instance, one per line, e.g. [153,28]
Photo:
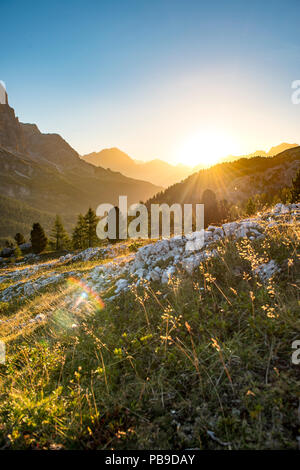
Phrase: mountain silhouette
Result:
[155,171]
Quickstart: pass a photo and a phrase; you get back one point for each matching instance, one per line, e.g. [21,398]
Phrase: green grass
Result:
[161,365]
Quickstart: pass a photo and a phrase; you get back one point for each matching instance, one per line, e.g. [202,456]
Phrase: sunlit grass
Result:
[160,366]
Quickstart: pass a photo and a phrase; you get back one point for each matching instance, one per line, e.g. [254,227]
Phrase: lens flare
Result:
[87,292]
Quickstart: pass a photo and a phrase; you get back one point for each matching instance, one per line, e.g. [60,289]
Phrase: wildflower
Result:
[215,344]
[252,296]
[271,289]
[246,277]
[209,278]
[270,311]
[166,338]
[145,338]
[118,351]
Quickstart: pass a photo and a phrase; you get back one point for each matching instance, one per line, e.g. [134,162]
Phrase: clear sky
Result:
[154,77]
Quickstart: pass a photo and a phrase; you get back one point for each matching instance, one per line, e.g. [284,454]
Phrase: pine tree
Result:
[114,217]
[211,207]
[38,238]
[224,208]
[17,252]
[250,207]
[91,221]
[9,243]
[19,237]
[79,237]
[59,234]
[285,195]
[295,189]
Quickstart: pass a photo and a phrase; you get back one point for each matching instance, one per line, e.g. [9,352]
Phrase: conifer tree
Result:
[59,234]
[17,252]
[224,209]
[38,238]
[19,237]
[250,207]
[286,195]
[9,243]
[211,207]
[113,219]
[91,221]
[79,237]
[296,189]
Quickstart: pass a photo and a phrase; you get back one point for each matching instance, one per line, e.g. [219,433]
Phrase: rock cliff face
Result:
[27,140]
[11,134]
[50,148]
[3,94]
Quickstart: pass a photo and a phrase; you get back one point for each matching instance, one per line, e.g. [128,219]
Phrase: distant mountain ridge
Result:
[155,171]
[158,171]
[261,153]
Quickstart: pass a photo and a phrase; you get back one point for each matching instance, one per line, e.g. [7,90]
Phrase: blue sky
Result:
[146,76]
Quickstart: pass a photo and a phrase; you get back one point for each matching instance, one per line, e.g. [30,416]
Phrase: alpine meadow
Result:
[150,229]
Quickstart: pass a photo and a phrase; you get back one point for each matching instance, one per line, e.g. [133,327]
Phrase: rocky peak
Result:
[30,129]
[3,94]
[26,139]
[11,134]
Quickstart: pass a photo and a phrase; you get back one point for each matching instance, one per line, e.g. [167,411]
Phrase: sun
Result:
[205,148]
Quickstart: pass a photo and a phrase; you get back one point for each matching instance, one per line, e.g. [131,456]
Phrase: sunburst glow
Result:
[206,148]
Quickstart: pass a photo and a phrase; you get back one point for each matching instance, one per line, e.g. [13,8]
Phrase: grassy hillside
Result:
[203,361]
[46,188]
[17,216]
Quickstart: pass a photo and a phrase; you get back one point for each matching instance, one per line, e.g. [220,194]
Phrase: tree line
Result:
[84,233]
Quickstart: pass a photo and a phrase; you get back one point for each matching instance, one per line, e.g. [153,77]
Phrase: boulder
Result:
[241,232]
[154,275]
[266,270]
[25,247]
[6,252]
[121,285]
[167,274]
[229,228]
